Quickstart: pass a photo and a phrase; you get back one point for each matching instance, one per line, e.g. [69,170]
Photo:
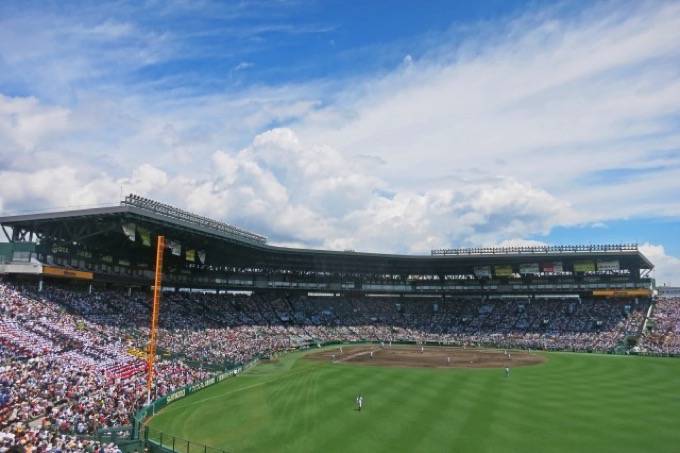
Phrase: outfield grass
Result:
[572,403]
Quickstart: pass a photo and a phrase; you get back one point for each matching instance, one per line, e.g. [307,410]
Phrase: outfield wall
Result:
[165,442]
[138,429]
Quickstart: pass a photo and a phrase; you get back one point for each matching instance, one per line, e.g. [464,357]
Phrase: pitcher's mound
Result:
[409,356]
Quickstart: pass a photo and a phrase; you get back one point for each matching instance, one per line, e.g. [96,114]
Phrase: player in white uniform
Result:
[507,372]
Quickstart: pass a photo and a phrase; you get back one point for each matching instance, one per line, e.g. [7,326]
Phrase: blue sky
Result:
[383,126]
[273,42]
[638,230]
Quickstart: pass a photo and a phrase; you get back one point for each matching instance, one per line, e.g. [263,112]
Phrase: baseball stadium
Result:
[147,327]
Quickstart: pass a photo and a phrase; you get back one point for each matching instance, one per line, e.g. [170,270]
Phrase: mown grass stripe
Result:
[573,402]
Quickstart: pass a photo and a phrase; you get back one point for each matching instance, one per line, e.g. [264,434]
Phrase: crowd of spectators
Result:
[583,325]
[664,334]
[71,362]
[35,440]
[62,374]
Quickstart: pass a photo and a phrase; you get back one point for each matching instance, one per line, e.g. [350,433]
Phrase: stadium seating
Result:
[73,362]
[665,336]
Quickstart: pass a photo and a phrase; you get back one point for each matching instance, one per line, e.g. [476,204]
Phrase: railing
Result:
[167,442]
[180,214]
[115,434]
[162,442]
[537,250]
[160,403]
[156,440]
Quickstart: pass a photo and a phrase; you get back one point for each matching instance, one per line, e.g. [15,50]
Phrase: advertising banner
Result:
[156,405]
[201,256]
[54,271]
[552,267]
[176,395]
[175,247]
[529,268]
[191,255]
[584,266]
[129,231]
[504,270]
[56,248]
[145,236]
[201,385]
[483,271]
[639,292]
[608,265]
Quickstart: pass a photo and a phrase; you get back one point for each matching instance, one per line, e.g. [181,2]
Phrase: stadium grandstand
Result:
[75,303]
[113,245]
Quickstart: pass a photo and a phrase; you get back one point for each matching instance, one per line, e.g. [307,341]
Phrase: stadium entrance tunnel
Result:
[412,356]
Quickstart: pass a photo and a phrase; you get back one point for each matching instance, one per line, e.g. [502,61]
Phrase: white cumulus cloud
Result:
[667,267]
[488,137]
[24,121]
[310,194]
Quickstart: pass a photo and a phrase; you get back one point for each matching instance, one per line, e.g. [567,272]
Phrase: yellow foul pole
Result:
[151,350]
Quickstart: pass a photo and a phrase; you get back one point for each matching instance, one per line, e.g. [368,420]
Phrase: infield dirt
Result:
[407,356]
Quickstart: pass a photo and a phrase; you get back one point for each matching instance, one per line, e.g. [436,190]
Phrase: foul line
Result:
[194,403]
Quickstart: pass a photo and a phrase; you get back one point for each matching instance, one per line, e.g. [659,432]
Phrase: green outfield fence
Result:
[159,441]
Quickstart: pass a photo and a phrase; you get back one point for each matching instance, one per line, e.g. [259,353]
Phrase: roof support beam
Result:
[96,233]
[65,226]
[9,239]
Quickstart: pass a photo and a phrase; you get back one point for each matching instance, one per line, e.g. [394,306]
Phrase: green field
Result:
[572,403]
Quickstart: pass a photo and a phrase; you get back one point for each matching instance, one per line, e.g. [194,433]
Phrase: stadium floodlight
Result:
[180,214]
[535,250]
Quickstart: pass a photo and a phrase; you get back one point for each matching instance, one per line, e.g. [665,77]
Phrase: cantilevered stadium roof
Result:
[100,230]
